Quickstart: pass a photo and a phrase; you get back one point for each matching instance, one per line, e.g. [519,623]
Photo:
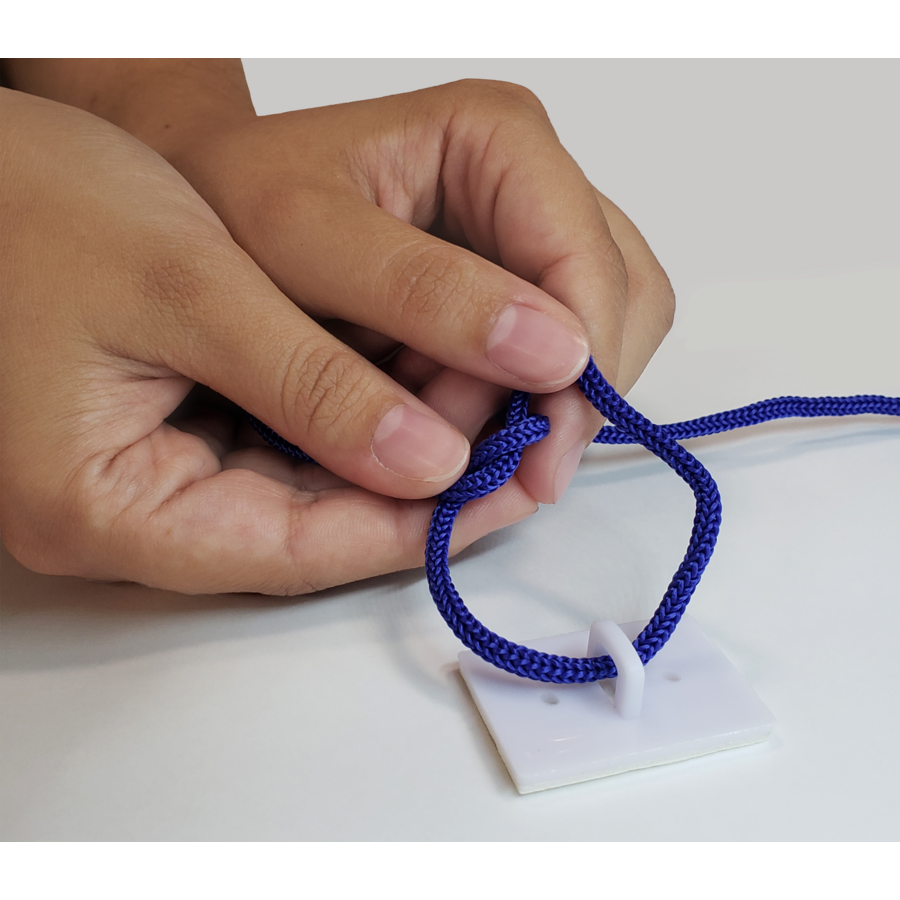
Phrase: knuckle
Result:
[306,575]
[653,291]
[505,94]
[398,543]
[424,283]
[325,386]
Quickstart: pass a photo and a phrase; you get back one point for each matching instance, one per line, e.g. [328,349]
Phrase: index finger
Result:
[515,196]
[518,197]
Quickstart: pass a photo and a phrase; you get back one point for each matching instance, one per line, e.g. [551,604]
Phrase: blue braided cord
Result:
[530,663]
[764,411]
[278,442]
[495,459]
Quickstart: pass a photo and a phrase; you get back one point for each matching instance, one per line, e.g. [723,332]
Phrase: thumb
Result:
[213,315]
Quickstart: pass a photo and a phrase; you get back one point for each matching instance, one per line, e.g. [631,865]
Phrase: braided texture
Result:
[495,459]
[563,669]
[764,411]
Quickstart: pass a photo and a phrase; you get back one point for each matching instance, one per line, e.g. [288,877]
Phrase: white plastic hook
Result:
[606,637]
[690,699]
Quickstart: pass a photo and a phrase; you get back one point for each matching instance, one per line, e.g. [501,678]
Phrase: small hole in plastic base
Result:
[549,698]
[672,676]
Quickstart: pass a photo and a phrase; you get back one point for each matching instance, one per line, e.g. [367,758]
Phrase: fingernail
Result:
[416,445]
[535,347]
[568,466]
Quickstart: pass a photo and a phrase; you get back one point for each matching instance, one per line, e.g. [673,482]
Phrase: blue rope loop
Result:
[495,459]
[524,661]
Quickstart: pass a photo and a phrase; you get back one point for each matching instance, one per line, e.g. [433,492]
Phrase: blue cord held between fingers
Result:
[495,459]
[278,442]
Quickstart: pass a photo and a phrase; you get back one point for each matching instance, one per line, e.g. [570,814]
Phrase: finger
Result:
[212,315]
[465,402]
[345,258]
[536,215]
[188,300]
[546,223]
[650,306]
[547,468]
[513,194]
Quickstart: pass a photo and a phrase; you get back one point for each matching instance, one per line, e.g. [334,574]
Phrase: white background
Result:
[769,192]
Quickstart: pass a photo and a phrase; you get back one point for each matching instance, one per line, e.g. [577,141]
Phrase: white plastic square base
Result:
[694,702]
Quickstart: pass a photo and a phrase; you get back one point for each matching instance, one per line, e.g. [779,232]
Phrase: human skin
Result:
[415,220]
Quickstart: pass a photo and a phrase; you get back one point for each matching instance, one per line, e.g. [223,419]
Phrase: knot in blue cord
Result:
[497,457]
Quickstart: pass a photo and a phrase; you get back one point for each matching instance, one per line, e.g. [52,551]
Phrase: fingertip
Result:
[548,468]
[536,347]
[565,471]
[418,445]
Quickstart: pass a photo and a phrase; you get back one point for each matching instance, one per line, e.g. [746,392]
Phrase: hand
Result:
[450,221]
[119,289]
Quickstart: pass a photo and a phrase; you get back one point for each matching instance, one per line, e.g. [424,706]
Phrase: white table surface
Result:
[770,193]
